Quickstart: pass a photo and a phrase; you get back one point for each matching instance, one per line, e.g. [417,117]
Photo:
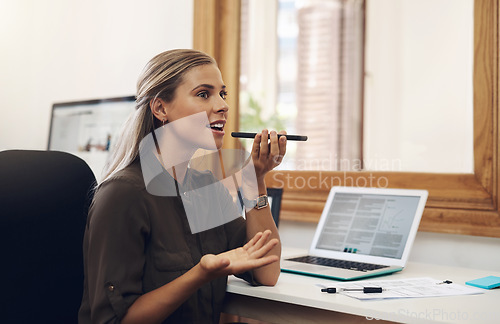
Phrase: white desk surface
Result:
[293,290]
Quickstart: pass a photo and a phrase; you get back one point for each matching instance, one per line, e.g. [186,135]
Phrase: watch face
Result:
[261,202]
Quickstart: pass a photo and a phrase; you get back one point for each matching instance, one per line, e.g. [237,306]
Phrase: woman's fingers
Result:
[269,152]
[274,148]
[282,146]
[264,146]
[252,242]
[252,255]
[263,250]
[260,244]
[247,265]
[256,147]
[257,263]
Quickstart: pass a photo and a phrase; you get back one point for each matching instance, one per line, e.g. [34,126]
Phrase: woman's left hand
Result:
[252,255]
[268,154]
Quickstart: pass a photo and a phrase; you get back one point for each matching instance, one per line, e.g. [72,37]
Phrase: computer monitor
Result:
[89,128]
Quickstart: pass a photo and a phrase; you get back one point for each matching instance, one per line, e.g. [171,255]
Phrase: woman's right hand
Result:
[251,256]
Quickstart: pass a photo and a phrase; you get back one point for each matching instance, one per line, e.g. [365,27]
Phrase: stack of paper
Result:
[406,288]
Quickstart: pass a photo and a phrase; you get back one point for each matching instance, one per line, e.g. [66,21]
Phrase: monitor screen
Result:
[89,128]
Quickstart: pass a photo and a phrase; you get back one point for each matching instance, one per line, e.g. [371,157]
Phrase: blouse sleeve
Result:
[116,235]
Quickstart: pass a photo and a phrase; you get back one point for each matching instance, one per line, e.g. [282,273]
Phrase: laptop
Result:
[362,232]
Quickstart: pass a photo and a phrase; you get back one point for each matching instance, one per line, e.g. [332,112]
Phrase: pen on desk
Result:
[252,135]
[366,290]
[329,290]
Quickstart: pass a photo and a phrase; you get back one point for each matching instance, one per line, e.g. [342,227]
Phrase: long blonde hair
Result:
[159,79]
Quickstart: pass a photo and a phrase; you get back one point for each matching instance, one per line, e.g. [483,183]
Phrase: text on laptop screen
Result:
[370,224]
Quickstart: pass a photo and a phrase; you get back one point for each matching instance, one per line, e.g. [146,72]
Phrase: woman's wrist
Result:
[202,274]
[261,186]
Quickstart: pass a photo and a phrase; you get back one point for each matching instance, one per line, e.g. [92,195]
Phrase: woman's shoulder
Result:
[118,201]
[126,180]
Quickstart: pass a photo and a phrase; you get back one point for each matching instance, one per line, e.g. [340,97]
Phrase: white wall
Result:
[418,86]
[59,50]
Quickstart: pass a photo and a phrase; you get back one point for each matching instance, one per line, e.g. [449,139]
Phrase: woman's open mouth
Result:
[217,126]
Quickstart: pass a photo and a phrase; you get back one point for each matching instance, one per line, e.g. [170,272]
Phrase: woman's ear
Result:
[159,109]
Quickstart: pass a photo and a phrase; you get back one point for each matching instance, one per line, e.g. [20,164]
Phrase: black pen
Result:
[252,135]
[366,290]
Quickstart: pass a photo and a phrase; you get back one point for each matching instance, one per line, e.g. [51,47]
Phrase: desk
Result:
[297,299]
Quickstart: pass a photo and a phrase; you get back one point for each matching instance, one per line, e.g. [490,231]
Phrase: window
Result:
[361,89]
[458,203]
[322,42]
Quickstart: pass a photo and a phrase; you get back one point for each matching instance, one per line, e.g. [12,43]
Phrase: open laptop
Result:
[362,232]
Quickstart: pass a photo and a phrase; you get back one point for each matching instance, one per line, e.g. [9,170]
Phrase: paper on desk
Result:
[407,288]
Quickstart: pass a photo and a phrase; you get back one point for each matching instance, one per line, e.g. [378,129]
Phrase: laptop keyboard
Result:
[351,265]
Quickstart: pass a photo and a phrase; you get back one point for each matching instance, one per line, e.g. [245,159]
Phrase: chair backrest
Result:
[44,200]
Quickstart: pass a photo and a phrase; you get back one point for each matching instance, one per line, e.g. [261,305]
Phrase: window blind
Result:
[329,86]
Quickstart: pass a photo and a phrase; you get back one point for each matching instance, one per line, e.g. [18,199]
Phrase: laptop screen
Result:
[368,224]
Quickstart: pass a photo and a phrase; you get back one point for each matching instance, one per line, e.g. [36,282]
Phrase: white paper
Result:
[406,288]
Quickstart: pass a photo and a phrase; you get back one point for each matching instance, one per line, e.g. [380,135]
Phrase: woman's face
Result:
[202,90]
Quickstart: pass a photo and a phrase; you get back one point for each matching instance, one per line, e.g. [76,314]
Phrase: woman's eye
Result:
[223,94]
[203,94]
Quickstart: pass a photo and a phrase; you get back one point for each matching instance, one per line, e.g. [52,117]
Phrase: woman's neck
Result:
[175,155]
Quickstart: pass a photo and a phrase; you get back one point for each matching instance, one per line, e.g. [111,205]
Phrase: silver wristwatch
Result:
[259,203]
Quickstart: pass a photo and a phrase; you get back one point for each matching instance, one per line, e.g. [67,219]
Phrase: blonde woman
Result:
[142,262]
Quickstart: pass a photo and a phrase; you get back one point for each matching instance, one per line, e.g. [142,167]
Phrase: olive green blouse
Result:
[136,242]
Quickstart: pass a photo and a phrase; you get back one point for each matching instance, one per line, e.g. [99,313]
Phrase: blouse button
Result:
[111,288]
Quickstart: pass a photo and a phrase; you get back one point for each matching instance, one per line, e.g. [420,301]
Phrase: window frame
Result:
[458,203]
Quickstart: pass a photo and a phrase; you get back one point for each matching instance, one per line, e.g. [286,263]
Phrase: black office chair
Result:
[44,199]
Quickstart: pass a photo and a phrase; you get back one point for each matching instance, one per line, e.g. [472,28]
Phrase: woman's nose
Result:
[221,106]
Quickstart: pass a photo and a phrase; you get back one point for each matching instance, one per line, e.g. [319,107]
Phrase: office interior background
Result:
[57,51]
